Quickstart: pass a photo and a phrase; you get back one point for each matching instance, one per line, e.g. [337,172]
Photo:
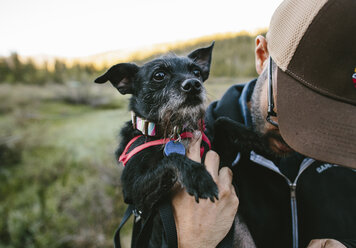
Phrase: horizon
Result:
[90,28]
[149,48]
[101,60]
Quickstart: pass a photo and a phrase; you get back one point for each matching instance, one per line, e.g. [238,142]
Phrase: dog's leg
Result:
[145,181]
[194,177]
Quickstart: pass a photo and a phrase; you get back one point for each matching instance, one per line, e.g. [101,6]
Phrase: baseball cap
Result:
[313,43]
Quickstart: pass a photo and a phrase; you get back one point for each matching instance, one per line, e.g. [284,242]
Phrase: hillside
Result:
[233,54]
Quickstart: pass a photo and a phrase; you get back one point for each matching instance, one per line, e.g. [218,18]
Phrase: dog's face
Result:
[168,90]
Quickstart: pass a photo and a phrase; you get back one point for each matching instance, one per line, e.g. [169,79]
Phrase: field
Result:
[59,182]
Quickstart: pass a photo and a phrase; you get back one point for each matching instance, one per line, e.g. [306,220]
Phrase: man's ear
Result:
[121,76]
[202,57]
[261,53]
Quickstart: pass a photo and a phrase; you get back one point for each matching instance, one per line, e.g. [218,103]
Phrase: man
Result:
[306,65]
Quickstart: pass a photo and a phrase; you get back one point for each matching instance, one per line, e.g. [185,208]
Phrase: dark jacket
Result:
[285,203]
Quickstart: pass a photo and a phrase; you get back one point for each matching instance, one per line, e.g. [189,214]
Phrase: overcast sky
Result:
[73,28]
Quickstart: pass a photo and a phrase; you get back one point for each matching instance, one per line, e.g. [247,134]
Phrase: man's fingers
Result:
[332,243]
[325,243]
[225,175]
[225,182]
[193,152]
[212,161]
[315,243]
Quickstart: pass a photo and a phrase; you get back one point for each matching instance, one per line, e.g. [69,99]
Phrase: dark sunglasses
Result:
[270,110]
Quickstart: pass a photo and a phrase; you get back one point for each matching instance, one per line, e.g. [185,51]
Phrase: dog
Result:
[168,105]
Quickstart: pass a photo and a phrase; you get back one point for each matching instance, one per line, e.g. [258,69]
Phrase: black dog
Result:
[167,104]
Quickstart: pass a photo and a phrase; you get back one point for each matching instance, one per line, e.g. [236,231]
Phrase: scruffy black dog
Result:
[167,100]
[167,106]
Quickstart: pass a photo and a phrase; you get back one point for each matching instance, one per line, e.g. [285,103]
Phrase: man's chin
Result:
[279,148]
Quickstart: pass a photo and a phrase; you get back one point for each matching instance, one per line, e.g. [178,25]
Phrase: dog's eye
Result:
[159,76]
[196,73]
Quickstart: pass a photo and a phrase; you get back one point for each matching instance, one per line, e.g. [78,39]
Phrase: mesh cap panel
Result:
[287,27]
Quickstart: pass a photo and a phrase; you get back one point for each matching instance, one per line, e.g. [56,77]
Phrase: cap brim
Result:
[315,125]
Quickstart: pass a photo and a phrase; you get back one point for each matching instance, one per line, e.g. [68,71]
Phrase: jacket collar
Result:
[244,99]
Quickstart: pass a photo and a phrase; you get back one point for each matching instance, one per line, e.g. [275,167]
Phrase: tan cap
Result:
[313,42]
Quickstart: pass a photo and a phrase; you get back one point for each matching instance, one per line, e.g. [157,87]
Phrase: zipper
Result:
[292,186]
[293,203]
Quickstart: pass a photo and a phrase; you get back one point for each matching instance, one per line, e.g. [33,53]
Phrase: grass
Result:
[58,179]
[216,87]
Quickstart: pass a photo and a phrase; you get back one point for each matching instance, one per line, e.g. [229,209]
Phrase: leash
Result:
[127,215]
[169,225]
[141,234]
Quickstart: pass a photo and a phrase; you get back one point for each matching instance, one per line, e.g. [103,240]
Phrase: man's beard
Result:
[263,137]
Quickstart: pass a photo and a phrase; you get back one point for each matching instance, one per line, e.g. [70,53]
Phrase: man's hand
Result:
[325,243]
[206,223]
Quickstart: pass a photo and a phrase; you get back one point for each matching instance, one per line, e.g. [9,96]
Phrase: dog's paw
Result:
[200,184]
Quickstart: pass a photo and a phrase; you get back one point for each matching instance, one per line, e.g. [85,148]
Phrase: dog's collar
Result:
[145,126]
[126,155]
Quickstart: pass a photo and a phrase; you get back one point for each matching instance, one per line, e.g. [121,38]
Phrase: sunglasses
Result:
[270,110]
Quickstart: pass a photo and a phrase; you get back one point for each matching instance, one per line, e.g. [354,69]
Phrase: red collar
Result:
[124,157]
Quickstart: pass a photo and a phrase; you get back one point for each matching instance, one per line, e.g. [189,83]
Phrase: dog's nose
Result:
[192,86]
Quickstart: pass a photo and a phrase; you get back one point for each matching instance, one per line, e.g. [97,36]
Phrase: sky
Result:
[77,28]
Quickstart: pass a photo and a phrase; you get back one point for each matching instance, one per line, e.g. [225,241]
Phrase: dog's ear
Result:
[121,76]
[202,57]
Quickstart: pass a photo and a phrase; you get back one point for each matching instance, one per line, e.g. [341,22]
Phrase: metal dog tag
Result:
[174,147]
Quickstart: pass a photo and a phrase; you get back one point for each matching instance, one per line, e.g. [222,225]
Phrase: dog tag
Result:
[174,147]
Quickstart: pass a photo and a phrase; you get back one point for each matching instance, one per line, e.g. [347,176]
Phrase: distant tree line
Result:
[13,70]
[232,57]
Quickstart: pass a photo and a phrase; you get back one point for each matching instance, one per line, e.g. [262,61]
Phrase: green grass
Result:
[216,87]
[59,182]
